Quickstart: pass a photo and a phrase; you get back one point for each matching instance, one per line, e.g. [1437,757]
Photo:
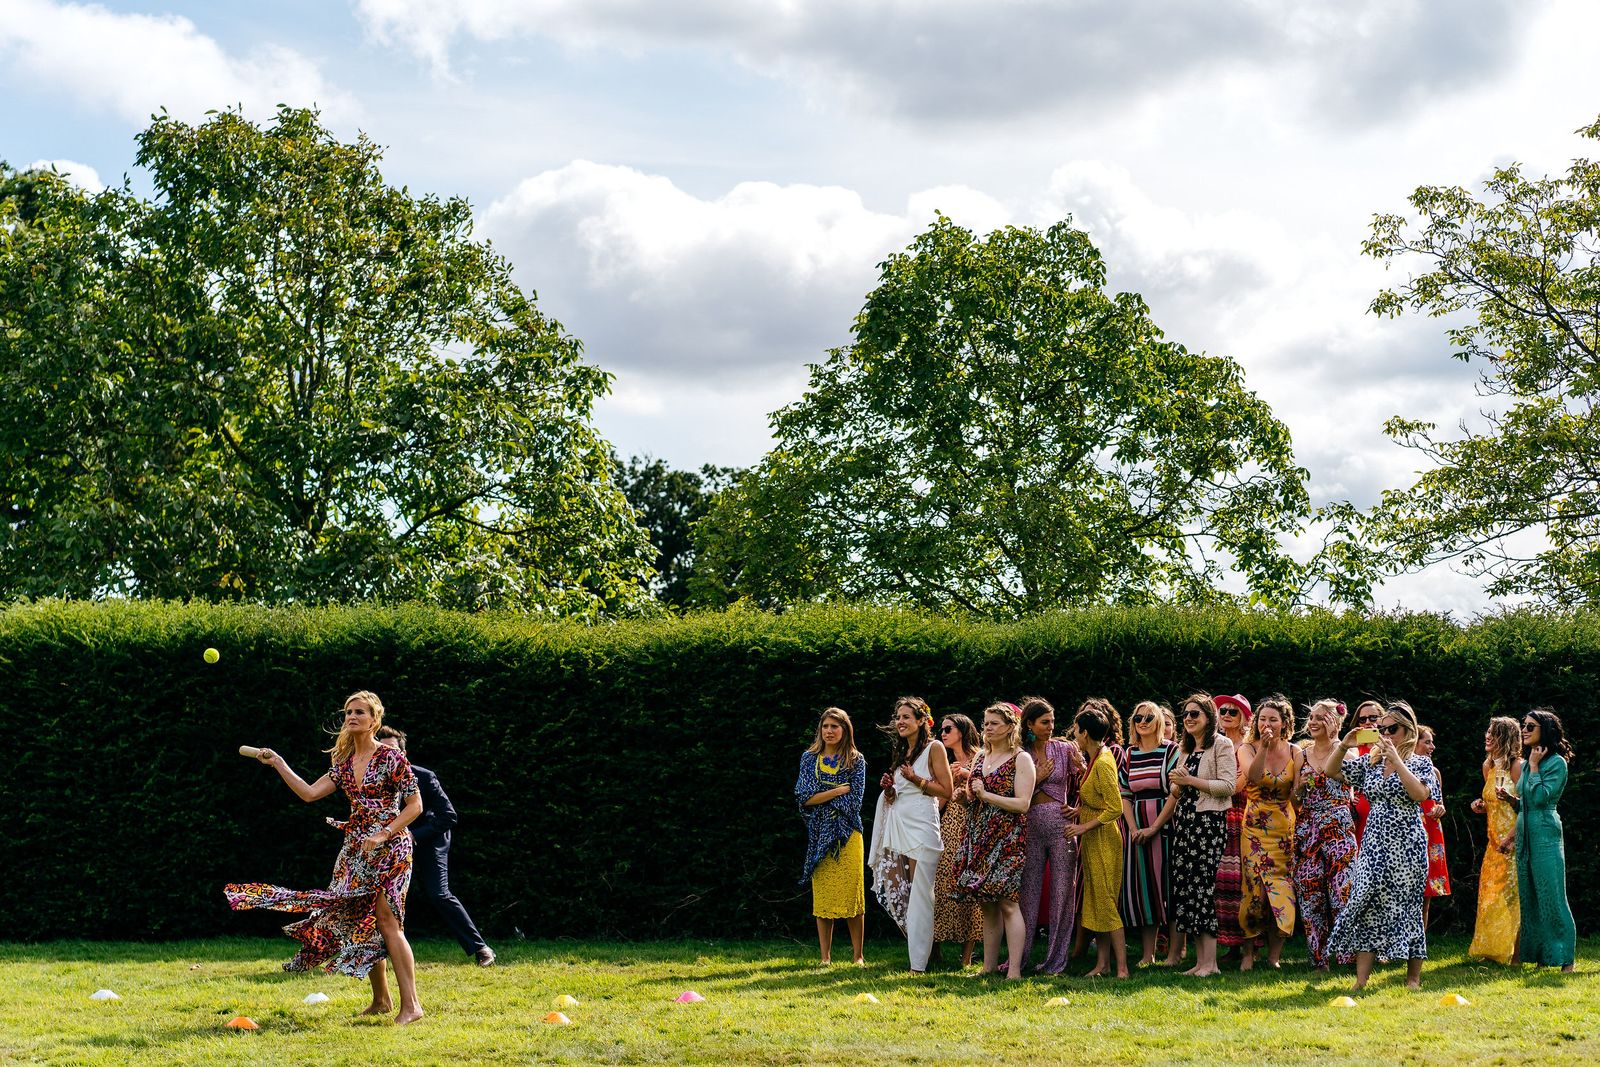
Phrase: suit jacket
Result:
[431,829]
[1219,767]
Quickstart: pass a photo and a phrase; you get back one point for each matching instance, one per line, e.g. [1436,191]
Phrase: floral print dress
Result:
[1267,854]
[1390,874]
[1325,848]
[994,846]
[341,931]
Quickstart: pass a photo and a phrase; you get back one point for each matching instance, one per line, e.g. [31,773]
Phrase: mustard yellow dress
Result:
[1266,851]
[1499,908]
[1100,849]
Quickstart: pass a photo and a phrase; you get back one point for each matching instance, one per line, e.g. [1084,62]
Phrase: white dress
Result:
[904,833]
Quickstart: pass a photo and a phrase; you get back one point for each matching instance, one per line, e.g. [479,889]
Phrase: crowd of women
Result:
[1212,825]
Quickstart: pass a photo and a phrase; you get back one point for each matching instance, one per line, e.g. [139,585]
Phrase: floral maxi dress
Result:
[994,846]
[341,930]
[1325,849]
[1267,855]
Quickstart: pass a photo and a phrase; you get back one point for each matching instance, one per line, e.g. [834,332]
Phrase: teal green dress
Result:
[1549,936]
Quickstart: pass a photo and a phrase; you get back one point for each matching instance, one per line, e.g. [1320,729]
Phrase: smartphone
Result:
[1366,737]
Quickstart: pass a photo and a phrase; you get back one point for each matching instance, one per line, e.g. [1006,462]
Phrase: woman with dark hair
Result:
[1549,937]
[1100,842]
[956,920]
[1233,722]
[1324,834]
[1202,792]
[828,789]
[1499,907]
[1383,917]
[1057,767]
[994,846]
[359,919]
[906,842]
[1142,775]
[1267,838]
[1366,717]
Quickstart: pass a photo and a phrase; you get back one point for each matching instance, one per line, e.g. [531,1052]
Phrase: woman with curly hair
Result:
[1499,908]
[906,842]
[994,847]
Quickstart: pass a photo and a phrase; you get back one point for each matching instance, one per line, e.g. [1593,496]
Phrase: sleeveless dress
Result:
[953,920]
[1549,937]
[1267,851]
[1100,849]
[341,931]
[994,846]
[1499,906]
[1325,848]
[1390,874]
[904,831]
[1143,779]
[1052,857]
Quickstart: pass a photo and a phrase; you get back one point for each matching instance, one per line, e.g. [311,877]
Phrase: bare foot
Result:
[1098,972]
[1413,983]
[1204,974]
[379,1007]
[1122,972]
[407,1015]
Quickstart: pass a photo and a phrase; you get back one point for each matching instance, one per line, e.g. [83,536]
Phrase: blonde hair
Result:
[1013,718]
[345,743]
[847,744]
[1408,718]
[1505,739]
[1160,723]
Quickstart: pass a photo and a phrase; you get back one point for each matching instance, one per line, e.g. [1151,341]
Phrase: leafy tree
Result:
[284,380]
[668,503]
[1517,272]
[1004,436]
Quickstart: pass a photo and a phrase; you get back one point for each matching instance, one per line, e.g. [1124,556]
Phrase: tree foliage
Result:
[282,379]
[668,503]
[1517,272]
[1005,436]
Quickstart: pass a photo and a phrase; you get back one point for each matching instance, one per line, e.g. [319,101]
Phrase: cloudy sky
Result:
[701,189]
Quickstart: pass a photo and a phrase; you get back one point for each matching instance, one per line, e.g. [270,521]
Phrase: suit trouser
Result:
[431,874]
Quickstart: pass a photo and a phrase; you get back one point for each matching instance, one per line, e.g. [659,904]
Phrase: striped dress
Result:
[1142,776]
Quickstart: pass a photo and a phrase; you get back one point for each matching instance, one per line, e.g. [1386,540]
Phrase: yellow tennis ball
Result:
[212,655]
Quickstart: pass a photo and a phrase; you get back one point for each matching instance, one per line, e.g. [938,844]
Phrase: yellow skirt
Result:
[838,884]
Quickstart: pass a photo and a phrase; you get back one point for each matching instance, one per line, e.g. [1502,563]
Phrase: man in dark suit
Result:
[431,870]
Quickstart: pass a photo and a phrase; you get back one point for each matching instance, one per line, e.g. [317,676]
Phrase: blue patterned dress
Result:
[1390,873]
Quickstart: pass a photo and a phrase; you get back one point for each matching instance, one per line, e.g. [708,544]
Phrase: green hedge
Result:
[631,779]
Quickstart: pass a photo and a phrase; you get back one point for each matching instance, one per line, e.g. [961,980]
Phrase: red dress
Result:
[341,931]
[1438,871]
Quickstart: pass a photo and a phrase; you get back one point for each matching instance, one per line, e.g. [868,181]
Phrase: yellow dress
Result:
[1266,853]
[1100,849]
[1499,910]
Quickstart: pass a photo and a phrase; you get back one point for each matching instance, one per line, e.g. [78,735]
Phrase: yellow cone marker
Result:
[1344,1002]
[555,1018]
[866,998]
[1455,1000]
[565,1000]
[1058,1002]
[240,1022]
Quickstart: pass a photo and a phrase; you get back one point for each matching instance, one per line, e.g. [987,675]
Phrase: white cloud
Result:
[133,65]
[82,175]
[936,60]
[760,280]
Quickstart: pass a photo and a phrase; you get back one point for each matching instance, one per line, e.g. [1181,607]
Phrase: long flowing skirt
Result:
[340,933]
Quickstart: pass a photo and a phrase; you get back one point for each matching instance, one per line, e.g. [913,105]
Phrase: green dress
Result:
[1549,936]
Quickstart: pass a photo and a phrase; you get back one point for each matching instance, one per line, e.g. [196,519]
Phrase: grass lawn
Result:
[768,1003]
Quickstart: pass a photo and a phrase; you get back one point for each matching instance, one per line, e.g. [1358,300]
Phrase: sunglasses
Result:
[947,728]
[1193,713]
[1530,726]
[1144,718]
[1392,728]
